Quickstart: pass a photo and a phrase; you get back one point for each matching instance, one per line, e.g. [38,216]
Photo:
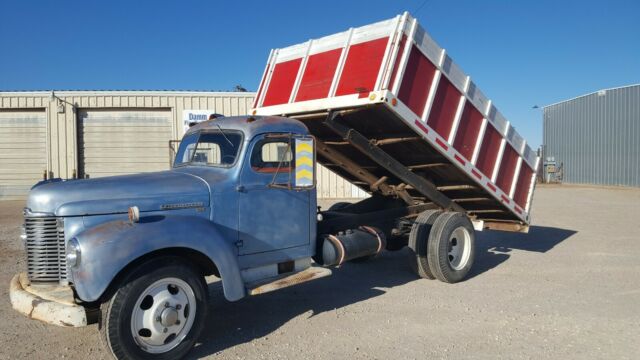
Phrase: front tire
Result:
[157,313]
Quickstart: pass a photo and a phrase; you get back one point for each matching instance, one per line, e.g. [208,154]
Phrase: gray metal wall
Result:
[596,137]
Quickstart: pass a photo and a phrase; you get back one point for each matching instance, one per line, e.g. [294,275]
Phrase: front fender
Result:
[107,248]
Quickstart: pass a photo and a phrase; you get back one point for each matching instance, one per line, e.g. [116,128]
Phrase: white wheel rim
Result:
[163,315]
[459,248]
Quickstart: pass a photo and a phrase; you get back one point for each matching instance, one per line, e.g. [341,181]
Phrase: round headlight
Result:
[73,253]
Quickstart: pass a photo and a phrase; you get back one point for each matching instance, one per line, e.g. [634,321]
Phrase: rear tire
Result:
[451,247]
[419,243]
[158,312]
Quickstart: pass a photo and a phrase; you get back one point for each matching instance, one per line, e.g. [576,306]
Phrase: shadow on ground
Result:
[493,247]
[231,324]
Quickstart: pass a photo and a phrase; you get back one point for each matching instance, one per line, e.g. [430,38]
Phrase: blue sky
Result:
[520,53]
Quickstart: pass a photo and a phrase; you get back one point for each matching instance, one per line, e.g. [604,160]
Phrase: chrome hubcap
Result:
[169,317]
[459,248]
[163,315]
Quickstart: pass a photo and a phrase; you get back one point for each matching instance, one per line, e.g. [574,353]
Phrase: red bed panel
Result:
[416,81]
[282,81]
[361,67]
[318,75]
[522,186]
[443,110]
[507,168]
[468,130]
[489,150]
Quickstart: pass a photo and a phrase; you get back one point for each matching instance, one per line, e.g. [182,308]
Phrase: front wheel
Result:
[158,313]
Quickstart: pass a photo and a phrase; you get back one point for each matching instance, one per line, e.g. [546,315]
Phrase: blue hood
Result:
[115,194]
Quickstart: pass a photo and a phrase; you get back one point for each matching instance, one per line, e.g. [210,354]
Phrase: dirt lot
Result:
[568,289]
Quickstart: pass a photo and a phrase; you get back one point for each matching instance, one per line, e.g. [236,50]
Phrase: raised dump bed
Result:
[400,108]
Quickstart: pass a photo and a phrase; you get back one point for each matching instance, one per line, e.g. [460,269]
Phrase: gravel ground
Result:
[569,289]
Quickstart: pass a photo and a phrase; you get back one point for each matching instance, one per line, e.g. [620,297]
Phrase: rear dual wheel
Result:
[442,245]
[419,243]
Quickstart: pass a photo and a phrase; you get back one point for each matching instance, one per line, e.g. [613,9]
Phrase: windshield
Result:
[209,148]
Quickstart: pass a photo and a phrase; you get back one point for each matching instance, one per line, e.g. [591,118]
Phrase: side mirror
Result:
[301,151]
[305,160]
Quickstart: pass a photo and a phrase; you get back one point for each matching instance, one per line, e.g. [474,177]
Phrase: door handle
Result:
[241,188]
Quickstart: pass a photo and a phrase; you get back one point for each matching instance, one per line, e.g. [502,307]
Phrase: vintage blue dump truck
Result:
[382,105]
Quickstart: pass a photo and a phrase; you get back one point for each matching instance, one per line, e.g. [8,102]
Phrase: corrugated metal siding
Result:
[596,137]
[123,141]
[23,146]
[62,155]
[332,186]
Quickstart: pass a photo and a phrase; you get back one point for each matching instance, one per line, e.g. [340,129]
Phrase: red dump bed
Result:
[395,82]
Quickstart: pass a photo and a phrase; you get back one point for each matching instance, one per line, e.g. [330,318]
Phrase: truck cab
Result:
[260,172]
[238,203]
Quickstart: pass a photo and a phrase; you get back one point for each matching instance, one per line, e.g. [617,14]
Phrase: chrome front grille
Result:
[46,261]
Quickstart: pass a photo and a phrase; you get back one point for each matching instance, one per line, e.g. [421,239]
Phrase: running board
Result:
[309,274]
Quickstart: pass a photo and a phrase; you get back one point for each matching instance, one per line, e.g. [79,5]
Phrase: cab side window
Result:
[271,155]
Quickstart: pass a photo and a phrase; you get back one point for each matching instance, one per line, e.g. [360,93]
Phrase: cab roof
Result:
[253,125]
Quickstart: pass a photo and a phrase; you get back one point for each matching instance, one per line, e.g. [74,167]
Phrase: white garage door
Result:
[123,142]
[23,152]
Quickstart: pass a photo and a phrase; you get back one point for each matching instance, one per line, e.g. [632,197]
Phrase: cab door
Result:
[274,213]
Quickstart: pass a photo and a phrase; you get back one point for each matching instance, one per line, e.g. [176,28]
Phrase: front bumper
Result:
[53,304]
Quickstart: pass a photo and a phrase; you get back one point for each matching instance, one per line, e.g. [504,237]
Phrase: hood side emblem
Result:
[182,206]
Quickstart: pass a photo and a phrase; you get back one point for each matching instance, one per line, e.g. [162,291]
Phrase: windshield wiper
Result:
[225,136]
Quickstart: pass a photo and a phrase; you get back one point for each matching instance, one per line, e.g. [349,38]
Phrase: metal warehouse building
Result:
[79,134]
[596,137]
